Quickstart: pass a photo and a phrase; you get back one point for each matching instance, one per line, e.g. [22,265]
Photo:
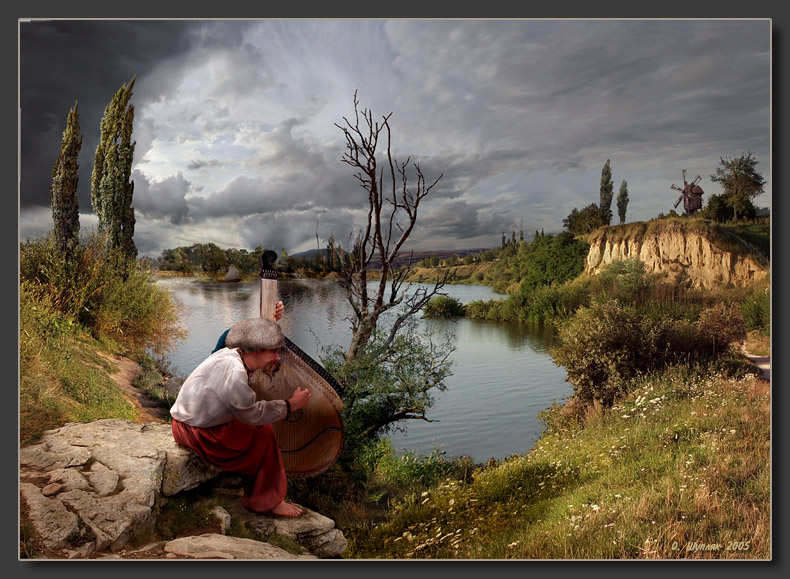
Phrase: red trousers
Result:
[244,449]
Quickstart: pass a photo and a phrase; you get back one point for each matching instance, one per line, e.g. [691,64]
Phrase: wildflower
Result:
[511,545]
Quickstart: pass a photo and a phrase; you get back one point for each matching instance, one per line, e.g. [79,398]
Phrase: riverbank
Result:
[680,462]
[679,469]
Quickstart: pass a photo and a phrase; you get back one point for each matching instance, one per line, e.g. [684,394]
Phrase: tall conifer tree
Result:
[622,201]
[111,185]
[607,193]
[63,193]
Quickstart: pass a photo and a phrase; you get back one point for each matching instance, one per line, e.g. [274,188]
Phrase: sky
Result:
[237,143]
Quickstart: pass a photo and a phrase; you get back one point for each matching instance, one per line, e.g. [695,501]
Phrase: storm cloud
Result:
[237,143]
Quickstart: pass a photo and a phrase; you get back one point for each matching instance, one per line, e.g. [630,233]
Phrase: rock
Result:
[103,480]
[52,489]
[313,531]
[214,546]
[223,517]
[69,479]
[94,488]
[114,520]
[54,523]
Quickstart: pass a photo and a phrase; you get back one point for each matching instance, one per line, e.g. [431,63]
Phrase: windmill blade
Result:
[696,180]
[676,188]
[678,201]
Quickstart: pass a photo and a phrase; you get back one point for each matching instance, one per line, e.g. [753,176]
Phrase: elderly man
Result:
[216,414]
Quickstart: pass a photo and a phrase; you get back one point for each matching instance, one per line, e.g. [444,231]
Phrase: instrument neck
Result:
[268,298]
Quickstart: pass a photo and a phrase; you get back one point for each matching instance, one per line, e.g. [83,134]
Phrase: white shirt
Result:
[217,391]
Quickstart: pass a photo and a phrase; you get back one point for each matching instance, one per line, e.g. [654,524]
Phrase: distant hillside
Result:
[404,256]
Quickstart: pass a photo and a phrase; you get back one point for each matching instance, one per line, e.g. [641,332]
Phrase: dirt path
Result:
[762,362]
[128,372]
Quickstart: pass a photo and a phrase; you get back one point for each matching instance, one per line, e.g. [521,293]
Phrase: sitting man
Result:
[217,416]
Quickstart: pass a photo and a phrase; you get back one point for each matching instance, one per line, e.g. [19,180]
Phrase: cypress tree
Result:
[622,200]
[607,193]
[111,185]
[63,193]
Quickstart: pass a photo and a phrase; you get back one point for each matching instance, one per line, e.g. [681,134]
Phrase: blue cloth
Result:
[221,341]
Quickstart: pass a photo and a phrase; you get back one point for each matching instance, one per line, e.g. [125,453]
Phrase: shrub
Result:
[444,307]
[600,348]
[756,311]
[89,290]
[722,325]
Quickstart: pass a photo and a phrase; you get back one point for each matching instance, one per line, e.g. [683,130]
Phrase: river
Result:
[502,373]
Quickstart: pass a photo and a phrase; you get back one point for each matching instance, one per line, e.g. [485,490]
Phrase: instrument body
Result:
[311,439]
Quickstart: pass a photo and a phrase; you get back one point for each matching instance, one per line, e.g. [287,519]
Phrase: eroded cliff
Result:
[709,257]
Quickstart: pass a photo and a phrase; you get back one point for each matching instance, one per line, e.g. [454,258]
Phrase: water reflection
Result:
[502,372]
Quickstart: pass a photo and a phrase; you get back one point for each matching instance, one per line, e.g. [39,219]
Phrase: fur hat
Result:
[255,334]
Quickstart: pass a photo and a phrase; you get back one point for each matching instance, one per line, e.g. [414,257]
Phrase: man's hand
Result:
[300,398]
[279,308]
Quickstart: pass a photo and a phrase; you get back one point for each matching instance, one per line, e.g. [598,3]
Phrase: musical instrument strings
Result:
[310,438]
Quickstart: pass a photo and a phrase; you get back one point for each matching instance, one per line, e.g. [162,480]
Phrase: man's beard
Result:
[271,368]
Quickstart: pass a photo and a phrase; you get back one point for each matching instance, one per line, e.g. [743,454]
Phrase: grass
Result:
[67,381]
[683,462]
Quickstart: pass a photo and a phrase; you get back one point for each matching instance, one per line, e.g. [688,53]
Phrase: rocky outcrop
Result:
[94,489]
[675,250]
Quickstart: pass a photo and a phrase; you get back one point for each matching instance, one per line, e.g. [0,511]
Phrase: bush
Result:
[756,311]
[444,307]
[89,290]
[722,325]
[600,348]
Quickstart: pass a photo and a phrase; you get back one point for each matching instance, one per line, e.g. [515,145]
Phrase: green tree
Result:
[65,207]
[607,193]
[740,181]
[111,185]
[587,220]
[622,200]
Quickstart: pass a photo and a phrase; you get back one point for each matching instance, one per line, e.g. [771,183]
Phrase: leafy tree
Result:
[389,369]
[741,182]
[111,186]
[718,209]
[65,208]
[622,201]
[607,193]
[587,220]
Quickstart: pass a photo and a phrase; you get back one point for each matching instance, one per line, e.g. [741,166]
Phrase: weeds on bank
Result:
[69,311]
[680,468]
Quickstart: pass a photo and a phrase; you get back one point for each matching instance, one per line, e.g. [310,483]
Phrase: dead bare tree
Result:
[392,214]
[391,364]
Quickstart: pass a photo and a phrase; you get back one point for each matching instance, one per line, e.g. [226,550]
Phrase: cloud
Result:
[161,199]
[235,120]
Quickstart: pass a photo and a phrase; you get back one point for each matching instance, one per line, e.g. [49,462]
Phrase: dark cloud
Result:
[278,229]
[68,61]
[462,220]
[202,163]
[165,199]
[235,119]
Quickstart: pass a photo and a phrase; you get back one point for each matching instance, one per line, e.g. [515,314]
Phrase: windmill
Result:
[691,195]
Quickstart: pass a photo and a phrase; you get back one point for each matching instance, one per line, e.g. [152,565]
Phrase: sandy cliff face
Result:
[672,250]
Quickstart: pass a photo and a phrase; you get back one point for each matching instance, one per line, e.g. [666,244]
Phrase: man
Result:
[216,414]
